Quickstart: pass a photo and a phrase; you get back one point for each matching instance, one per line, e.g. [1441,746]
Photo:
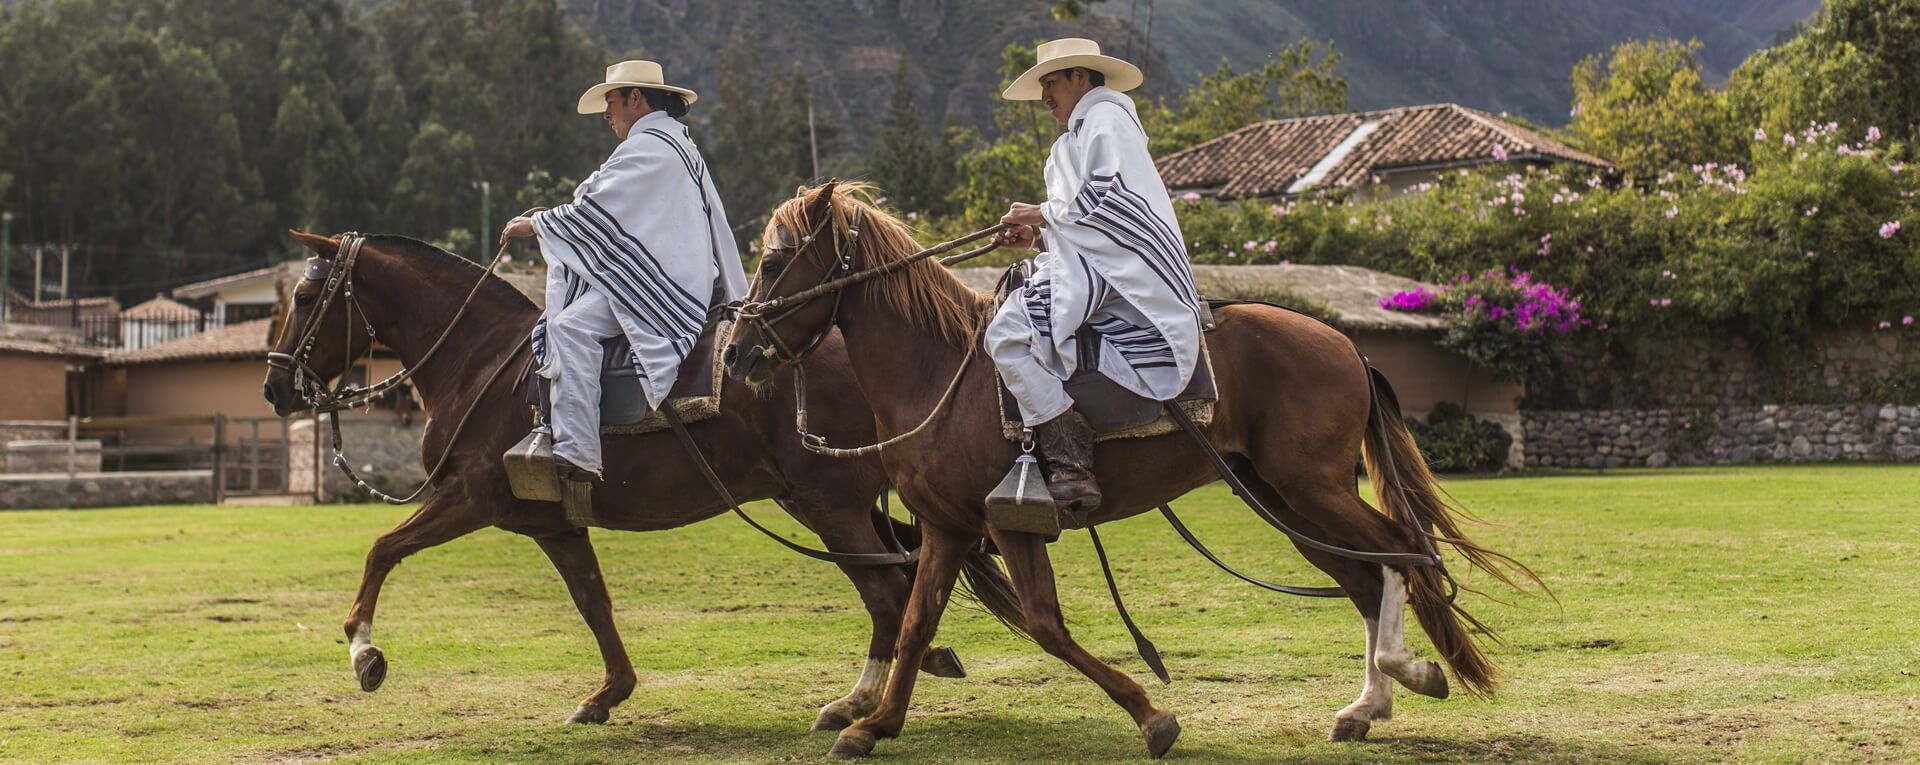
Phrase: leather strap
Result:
[720,488]
[1305,592]
[1141,644]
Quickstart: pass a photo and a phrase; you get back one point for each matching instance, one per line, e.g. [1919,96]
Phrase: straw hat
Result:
[1067,53]
[629,74]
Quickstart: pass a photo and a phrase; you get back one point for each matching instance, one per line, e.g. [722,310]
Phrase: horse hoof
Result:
[1161,731]
[943,662]
[587,714]
[852,744]
[831,719]
[1349,729]
[371,667]
[1432,681]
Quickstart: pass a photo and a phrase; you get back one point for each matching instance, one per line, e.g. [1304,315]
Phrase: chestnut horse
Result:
[406,293]
[1295,413]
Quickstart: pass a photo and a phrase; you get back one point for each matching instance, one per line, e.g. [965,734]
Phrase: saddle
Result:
[1113,411]
[695,396]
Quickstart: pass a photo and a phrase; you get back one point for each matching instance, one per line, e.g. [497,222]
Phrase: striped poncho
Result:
[647,231]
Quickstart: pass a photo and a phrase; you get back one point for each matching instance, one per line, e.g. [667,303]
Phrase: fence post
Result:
[73,437]
[219,445]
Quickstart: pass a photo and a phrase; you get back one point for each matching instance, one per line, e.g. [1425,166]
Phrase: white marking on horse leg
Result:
[1376,691]
[866,691]
[361,641]
[1394,658]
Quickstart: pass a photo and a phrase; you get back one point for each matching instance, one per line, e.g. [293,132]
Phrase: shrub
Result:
[1456,442]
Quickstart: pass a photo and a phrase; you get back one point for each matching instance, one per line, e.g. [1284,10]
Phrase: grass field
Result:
[1705,615]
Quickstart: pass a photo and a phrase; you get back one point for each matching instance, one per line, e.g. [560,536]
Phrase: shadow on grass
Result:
[998,737]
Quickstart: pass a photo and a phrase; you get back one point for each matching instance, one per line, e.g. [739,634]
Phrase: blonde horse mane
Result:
[925,293]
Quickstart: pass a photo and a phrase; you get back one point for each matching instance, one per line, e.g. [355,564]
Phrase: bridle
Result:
[311,386]
[763,315]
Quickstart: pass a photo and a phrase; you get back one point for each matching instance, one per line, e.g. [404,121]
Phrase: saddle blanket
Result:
[623,407]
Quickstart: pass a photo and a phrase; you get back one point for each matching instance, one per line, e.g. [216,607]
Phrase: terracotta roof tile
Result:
[160,307]
[245,340]
[1265,159]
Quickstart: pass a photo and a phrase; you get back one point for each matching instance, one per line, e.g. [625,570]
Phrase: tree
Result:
[1645,108]
[1857,63]
[996,173]
[758,149]
[912,169]
[1291,84]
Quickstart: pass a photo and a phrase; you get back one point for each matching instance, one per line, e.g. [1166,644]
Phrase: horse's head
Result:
[808,241]
[823,234]
[315,342]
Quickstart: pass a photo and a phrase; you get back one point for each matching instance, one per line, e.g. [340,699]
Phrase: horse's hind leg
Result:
[1336,515]
[1032,573]
[440,519]
[572,554]
[941,553]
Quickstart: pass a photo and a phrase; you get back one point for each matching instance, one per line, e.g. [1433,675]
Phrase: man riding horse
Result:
[1113,260]
[643,250]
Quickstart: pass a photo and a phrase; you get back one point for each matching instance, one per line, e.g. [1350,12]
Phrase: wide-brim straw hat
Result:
[629,74]
[1067,53]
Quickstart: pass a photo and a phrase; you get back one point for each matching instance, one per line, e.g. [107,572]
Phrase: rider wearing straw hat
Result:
[1112,259]
[643,249]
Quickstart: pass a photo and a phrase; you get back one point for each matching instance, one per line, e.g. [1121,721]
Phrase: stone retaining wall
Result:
[157,487]
[1727,436]
[385,452]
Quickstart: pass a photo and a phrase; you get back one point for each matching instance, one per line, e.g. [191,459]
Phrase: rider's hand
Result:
[1024,214]
[1016,237]
[518,227]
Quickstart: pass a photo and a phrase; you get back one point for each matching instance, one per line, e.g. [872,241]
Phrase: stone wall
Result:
[384,449]
[1684,371]
[1723,436]
[79,456]
[159,487]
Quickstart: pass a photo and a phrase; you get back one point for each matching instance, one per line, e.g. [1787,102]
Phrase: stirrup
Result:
[530,468]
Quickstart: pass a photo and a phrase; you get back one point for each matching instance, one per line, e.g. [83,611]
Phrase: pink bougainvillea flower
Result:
[1272,245]
[1759,134]
[1190,197]
[1886,325]
[1499,153]
[1671,212]
[1873,134]
[1279,211]
[1906,321]
[1664,302]
[913,216]
[1812,211]
[1249,245]
[1896,167]
[1889,228]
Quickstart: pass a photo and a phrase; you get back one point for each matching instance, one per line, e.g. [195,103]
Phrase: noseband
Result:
[763,315]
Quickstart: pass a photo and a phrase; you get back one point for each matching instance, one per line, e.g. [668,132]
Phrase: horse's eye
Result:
[303,300]
[770,269]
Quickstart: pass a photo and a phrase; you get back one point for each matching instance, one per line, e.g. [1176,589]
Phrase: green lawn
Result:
[1761,614]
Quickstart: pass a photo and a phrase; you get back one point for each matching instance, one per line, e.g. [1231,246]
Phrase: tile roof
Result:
[1352,293]
[245,340]
[160,307]
[1266,158]
[209,287]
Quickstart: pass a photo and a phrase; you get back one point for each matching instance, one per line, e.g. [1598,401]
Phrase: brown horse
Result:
[406,293]
[1294,414]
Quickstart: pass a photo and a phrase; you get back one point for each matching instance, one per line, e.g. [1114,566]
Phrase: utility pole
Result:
[6,266]
[486,219]
[813,143]
[38,251]
[73,306]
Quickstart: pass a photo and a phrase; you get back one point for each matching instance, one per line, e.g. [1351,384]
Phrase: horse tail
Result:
[1408,493]
[986,583]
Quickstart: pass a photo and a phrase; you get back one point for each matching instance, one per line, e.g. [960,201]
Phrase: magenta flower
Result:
[1272,245]
[1886,325]
[1889,228]
[1906,321]
[1249,245]
[1873,134]
[1190,197]
[1499,153]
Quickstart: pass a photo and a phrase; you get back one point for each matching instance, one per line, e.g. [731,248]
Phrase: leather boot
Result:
[1067,443]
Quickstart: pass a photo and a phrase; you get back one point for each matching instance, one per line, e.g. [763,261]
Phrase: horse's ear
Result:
[822,201]
[324,247]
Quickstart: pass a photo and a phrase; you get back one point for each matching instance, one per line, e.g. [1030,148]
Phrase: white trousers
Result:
[575,354]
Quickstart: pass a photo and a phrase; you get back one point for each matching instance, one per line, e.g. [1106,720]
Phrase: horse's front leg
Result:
[572,554]
[941,553]
[440,519]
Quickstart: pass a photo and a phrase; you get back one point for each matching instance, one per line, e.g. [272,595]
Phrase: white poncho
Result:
[647,231]
[1111,231]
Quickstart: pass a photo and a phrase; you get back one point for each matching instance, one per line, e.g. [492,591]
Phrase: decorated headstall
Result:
[337,274]
[763,315]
